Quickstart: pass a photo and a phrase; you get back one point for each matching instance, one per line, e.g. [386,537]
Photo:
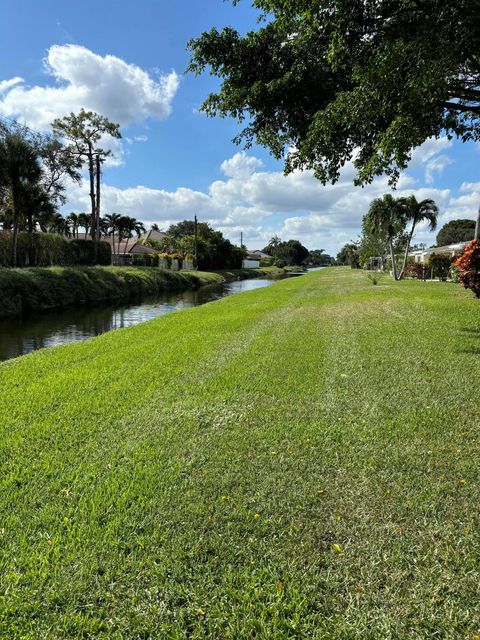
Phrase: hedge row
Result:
[23,291]
[51,249]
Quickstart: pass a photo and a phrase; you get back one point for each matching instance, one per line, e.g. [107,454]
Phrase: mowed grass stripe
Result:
[298,461]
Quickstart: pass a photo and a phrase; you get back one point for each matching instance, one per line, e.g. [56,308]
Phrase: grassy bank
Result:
[23,291]
[299,461]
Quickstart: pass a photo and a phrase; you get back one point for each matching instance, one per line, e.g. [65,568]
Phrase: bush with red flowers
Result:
[469,267]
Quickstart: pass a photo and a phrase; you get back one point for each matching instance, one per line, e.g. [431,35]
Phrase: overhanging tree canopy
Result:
[327,81]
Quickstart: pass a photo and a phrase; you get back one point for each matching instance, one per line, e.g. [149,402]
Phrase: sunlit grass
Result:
[297,461]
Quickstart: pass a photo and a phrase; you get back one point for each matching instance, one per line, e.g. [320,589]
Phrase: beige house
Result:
[421,256]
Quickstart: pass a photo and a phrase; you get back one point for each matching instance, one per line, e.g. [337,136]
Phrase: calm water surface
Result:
[18,337]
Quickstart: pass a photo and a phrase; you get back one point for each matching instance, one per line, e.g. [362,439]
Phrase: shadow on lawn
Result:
[472,332]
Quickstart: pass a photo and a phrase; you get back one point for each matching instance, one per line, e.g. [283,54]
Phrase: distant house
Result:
[153,234]
[123,250]
[252,261]
[421,256]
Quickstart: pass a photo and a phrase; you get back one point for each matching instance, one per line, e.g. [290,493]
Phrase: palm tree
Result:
[126,226]
[84,221]
[73,221]
[386,217]
[19,169]
[59,224]
[138,228]
[417,212]
[112,220]
[273,245]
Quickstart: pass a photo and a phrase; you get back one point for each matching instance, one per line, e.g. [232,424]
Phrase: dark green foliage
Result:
[318,258]
[213,250]
[51,249]
[337,80]
[83,252]
[456,231]
[348,255]
[439,265]
[289,252]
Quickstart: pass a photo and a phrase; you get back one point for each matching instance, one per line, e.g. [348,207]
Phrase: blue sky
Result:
[127,60]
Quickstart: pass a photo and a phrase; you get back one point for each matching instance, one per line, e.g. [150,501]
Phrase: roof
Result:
[256,254]
[153,234]
[448,248]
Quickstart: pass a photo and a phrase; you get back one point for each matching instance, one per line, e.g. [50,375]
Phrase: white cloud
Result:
[428,149]
[261,203]
[8,84]
[436,165]
[107,84]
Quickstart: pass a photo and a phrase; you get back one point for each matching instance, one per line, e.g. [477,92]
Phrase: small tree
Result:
[469,267]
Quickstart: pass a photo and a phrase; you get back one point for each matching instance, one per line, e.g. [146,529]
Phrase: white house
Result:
[422,255]
[252,261]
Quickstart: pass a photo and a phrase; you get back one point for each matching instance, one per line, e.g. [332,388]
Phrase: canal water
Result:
[18,337]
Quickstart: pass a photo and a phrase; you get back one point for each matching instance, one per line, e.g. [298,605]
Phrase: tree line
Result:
[35,166]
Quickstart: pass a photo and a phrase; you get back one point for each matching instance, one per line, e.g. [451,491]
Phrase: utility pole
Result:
[196,242]
[241,239]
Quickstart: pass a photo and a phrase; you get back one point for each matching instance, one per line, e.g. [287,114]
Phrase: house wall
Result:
[251,264]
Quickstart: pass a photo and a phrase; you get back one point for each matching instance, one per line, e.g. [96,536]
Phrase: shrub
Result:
[469,267]
[454,273]
[439,264]
[414,270]
[375,276]
[279,263]
[167,257]
[51,249]
[266,262]
[83,252]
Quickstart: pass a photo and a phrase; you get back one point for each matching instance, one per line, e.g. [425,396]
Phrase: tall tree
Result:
[417,212]
[456,231]
[84,131]
[20,172]
[386,218]
[326,82]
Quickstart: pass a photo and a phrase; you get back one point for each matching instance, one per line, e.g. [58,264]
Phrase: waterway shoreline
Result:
[27,292]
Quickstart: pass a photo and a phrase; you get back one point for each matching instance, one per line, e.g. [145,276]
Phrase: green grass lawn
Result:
[301,461]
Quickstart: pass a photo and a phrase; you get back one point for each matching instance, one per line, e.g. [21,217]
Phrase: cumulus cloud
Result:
[261,203]
[436,166]
[107,84]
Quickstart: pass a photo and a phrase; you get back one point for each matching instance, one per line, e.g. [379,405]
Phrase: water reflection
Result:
[49,329]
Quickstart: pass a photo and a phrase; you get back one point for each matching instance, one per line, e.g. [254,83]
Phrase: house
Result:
[123,250]
[421,256]
[153,234]
[252,260]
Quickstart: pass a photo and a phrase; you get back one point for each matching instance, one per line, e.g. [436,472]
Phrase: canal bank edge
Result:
[27,291]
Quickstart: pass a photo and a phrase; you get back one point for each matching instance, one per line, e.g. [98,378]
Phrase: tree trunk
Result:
[477,226]
[392,257]
[405,257]
[15,225]
[97,207]
[91,173]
